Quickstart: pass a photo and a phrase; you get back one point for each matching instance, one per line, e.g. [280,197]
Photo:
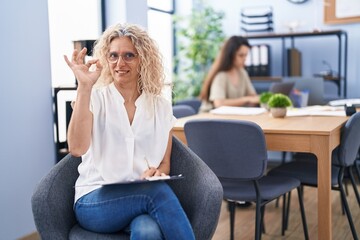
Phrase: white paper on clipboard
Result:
[146,180]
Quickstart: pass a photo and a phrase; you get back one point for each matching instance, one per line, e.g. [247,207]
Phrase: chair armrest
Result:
[53,198]
[200,192]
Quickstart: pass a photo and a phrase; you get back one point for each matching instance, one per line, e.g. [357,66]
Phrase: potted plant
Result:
[264,98]
[278,104]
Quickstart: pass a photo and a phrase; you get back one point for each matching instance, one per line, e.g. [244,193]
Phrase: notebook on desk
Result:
[228,110]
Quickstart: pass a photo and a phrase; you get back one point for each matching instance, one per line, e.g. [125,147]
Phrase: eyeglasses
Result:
[127,57]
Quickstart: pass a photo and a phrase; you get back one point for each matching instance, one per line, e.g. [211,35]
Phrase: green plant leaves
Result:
[279,100]
[200,37]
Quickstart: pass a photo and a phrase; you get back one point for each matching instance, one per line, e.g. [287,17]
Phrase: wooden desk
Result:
[317,135]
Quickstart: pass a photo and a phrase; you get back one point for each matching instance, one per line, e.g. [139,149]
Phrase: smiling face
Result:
[125,69]
[240,56]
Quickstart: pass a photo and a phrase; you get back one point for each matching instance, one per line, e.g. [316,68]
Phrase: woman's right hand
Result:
[81,70]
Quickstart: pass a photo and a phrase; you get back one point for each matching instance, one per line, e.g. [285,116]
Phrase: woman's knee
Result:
[164,193]
[145,227]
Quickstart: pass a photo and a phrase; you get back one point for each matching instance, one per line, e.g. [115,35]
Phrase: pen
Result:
[147,163]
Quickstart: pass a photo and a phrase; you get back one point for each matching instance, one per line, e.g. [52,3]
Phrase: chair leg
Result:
[258,220]
[357,168]
[283,226]
[231,207]
[283,160]
[285,212]
[303,216]
[346,205]
[352,179]
[346,186]
[288,210]
[263,219]
[342,205]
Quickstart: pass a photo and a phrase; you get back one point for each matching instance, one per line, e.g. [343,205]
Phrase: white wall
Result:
[121,11]
[27,148]
[314,50]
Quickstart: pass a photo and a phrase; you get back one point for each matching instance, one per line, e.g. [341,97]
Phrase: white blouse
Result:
[118,150]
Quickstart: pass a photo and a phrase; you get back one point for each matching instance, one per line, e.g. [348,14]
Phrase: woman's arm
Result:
[164,167]
[250,100]
[80,126]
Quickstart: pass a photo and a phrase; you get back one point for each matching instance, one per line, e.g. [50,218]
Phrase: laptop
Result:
[282,87]
[315,87]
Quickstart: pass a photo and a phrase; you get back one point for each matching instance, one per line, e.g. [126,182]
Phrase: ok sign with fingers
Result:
[81,70]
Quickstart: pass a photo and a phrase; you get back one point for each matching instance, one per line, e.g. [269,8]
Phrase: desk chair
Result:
[343,158]
[180,111]
[200,193]
[236,152]
[195,103]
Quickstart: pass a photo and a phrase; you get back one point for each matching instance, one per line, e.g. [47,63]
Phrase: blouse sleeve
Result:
[165,112]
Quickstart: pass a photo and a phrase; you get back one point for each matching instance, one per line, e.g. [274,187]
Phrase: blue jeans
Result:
[130,207]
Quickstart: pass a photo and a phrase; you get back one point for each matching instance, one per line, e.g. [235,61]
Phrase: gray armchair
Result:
[200,194]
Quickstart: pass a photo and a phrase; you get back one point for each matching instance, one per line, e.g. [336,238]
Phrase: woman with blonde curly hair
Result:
[122,128]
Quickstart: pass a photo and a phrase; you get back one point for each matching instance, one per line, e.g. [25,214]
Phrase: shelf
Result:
[296,34]
[266,78]
[341,53]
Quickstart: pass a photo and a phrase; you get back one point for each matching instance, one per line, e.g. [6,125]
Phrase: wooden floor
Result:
[245,219]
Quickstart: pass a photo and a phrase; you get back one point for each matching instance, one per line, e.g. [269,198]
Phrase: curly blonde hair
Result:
[151,72]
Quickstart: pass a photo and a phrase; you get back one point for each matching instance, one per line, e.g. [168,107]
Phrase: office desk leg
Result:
[322,149]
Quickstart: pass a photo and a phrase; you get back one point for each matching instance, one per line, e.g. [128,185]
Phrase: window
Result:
[160,28]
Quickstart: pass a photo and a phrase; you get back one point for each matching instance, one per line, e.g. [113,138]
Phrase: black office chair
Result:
[180,111]
[236,152]
[343,159]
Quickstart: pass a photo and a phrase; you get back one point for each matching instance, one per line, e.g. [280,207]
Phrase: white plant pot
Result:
[278,112]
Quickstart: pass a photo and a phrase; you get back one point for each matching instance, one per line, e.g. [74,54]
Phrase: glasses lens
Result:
[127,57]
[113,58]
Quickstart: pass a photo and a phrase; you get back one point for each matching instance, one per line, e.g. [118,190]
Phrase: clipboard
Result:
[146,180]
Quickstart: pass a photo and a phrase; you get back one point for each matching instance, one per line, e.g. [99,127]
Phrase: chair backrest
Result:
[180,111]
[350,141]
[54,196]
[282,87]
[195,103]
[233,149]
